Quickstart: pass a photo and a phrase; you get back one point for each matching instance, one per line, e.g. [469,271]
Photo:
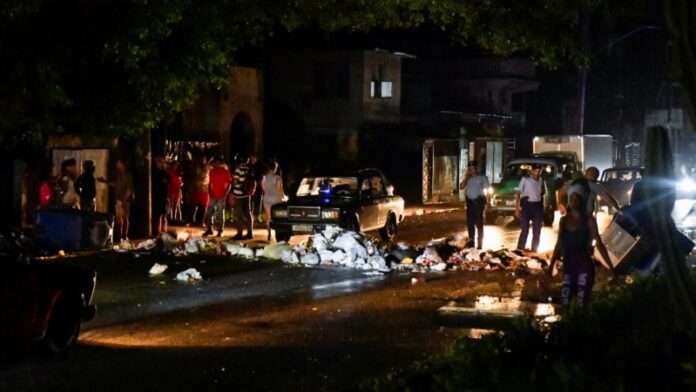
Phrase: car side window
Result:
[376,186]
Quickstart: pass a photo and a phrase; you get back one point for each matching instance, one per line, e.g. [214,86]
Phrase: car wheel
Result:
[389,230]
[282,236]
[63,324]
[549,217]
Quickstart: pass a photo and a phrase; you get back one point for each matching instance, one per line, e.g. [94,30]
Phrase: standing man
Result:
[86,186]
[477,202]
[123,190]
[594,189]
[160,188]
[243,189]
[220,182]
[257,171]
[529,205]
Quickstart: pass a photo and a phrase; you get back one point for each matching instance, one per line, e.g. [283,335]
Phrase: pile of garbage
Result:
[335,246]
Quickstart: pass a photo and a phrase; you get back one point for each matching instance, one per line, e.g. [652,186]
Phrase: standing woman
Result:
[272,185]
[574,245]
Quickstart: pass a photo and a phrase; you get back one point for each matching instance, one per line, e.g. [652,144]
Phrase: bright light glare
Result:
[686,184]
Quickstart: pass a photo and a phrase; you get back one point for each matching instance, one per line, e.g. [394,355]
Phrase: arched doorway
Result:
[242,135]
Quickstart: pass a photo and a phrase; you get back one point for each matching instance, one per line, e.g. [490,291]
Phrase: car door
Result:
[369,205]
[379,189]
[18,299]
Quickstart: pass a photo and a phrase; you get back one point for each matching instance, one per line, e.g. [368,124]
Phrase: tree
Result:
[111,67]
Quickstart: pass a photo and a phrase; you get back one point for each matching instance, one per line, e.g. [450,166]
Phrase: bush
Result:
[627,339]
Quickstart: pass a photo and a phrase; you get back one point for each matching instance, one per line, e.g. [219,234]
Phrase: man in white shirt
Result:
[594,189]
[477,202]
[529,205]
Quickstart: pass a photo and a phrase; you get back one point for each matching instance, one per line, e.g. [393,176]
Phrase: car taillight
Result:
[329,214]
[280,213]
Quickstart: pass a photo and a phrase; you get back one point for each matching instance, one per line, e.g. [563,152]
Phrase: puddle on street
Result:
[487,313]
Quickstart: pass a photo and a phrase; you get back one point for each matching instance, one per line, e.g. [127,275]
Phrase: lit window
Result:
[386,89]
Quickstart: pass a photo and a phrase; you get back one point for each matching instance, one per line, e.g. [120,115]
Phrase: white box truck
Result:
[587,150]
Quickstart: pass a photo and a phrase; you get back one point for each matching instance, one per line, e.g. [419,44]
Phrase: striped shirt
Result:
[242,176]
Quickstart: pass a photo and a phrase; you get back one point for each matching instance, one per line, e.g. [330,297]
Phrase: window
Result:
[379,87]
[386,90]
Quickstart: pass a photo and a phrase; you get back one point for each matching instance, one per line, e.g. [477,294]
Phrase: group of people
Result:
[244,188]
[69,190]
[577,232]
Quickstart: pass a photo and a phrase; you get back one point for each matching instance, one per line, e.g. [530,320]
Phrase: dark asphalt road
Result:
[263,325]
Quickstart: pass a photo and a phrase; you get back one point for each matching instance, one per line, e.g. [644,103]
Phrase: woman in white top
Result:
[273,193]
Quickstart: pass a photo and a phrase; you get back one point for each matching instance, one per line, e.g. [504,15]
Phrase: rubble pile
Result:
[338,247]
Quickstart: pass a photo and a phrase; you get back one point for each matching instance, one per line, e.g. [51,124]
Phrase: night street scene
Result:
[344,195]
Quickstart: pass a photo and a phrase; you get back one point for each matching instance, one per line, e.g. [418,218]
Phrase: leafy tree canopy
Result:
[116,67]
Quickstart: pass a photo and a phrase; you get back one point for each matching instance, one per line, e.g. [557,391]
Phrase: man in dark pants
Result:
[529,205]
[477,202]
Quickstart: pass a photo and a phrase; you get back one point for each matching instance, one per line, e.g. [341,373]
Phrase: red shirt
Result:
[220,181]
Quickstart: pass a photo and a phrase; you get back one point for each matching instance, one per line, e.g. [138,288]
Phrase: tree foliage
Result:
[113,67]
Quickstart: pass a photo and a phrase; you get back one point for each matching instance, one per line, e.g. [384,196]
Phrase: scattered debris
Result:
[335,246]
[157,269]
[190,275]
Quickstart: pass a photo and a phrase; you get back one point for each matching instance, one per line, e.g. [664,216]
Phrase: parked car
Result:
[43,301]
[503,194]
[359,200]
[619,181]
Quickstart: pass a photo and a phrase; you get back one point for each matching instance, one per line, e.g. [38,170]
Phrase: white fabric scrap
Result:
[157,269]
[189,275]
[438,266]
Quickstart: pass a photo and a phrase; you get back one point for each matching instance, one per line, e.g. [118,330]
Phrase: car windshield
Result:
[518,170]
[329,186]
[621,175]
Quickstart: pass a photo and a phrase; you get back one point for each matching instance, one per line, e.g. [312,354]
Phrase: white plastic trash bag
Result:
[347,243]
[146,245]
[190,275]
[310,259]
[158,269]
[246,252]
[319,242]
[232,248]
[331,232]
[276,251]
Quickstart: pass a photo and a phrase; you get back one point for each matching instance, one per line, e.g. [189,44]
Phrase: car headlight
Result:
[329,214]
[686,185]
[280,213]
